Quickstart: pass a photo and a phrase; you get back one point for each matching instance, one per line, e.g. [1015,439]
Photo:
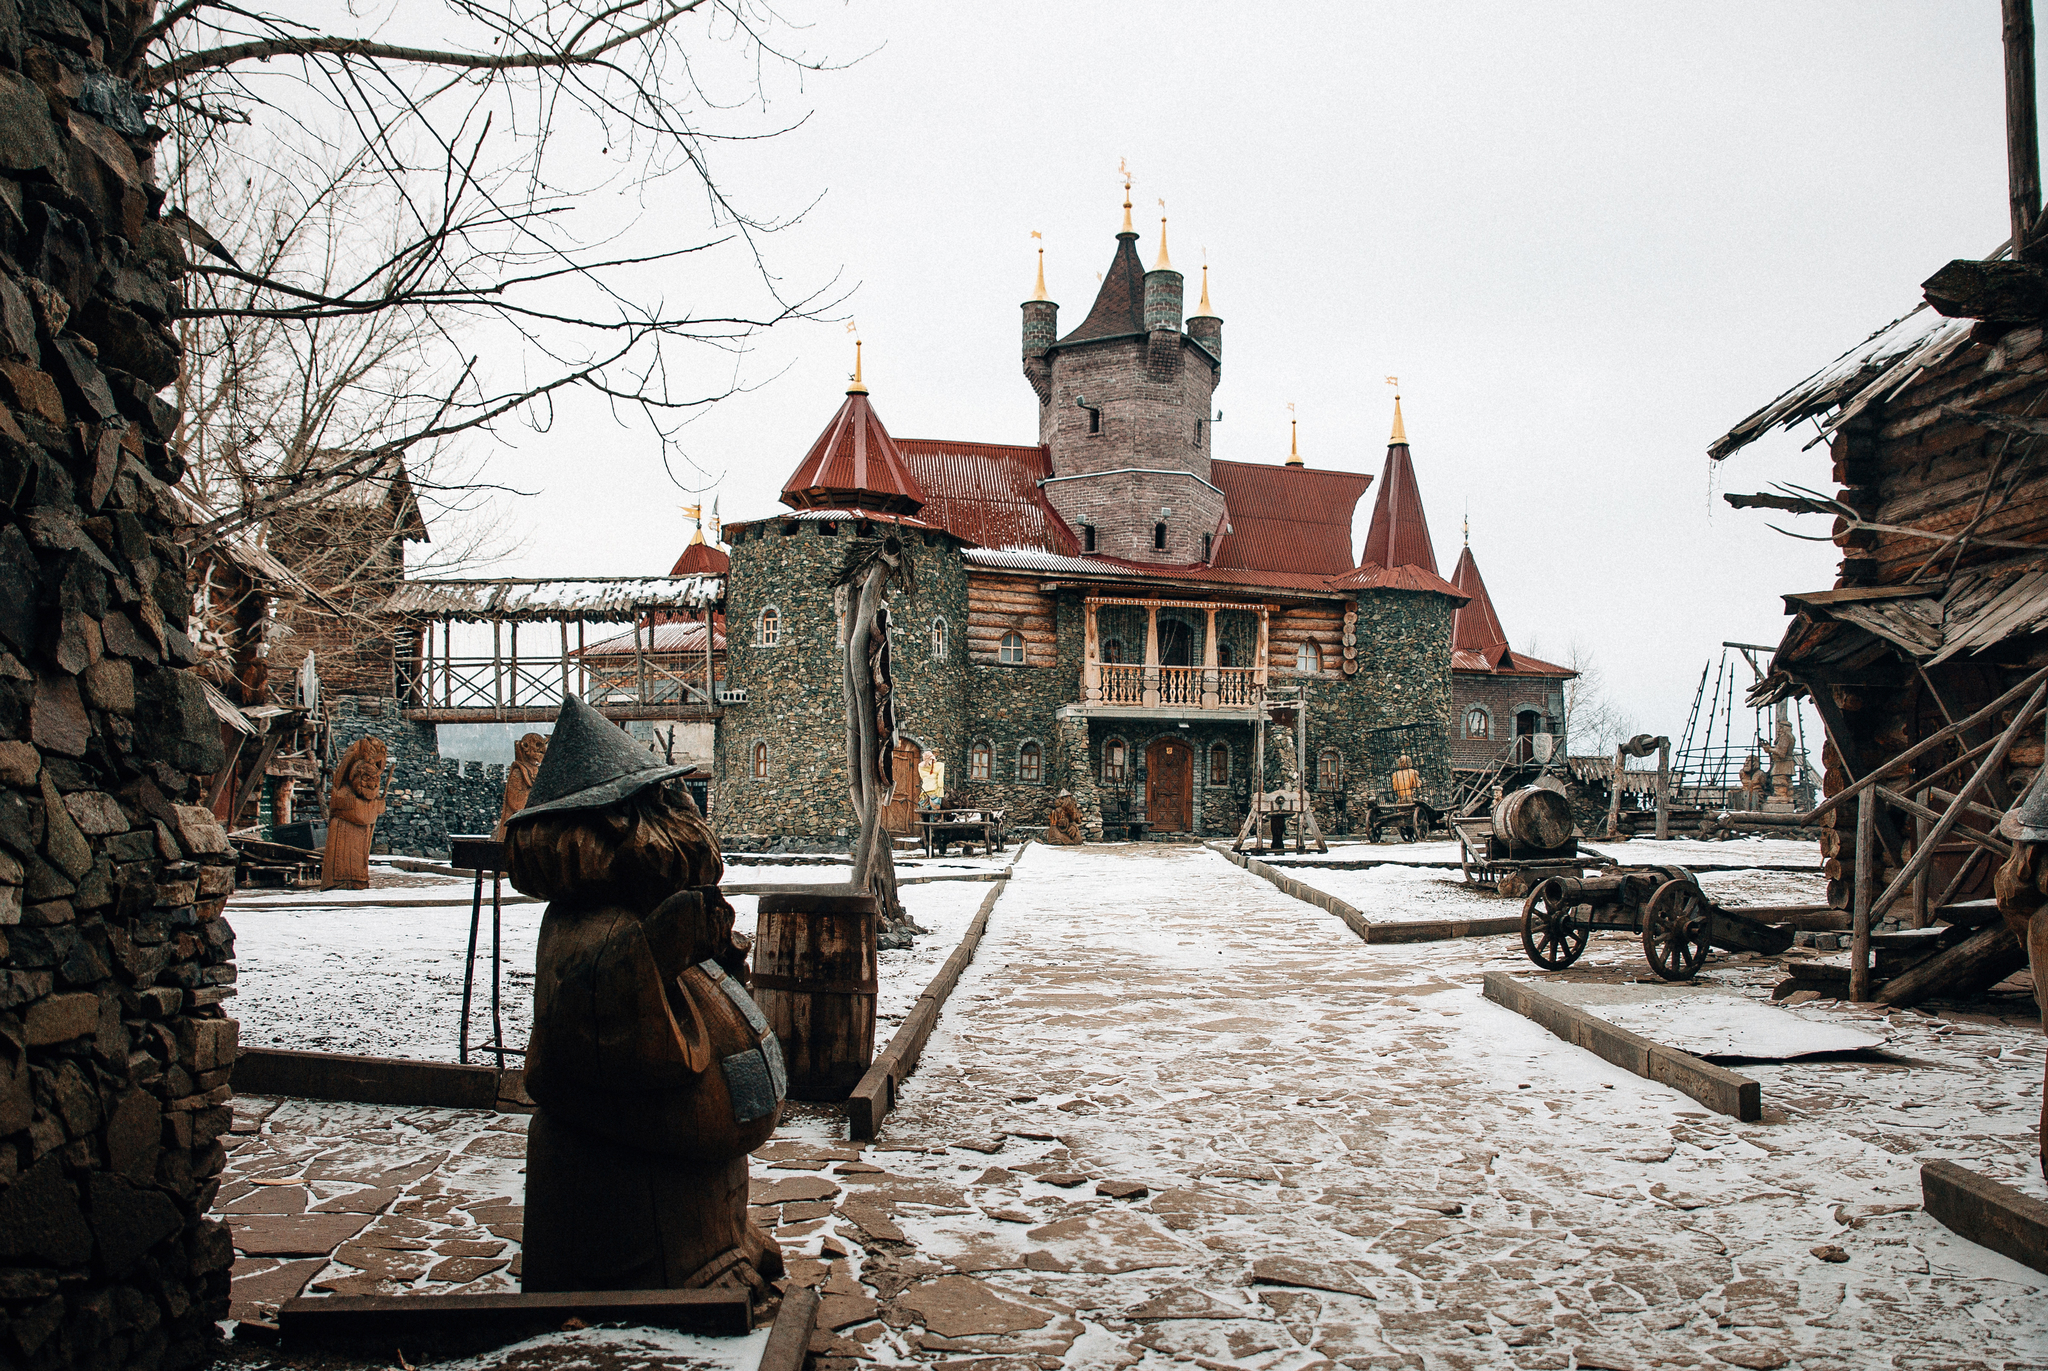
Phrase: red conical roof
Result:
[1476,627]
[854,464]
[1400,534]
[701,559]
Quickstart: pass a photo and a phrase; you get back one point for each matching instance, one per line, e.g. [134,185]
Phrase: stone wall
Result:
[795,703]
[115,961]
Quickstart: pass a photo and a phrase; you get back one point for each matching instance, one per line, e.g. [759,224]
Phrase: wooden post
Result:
[1663,790]
[582,665]
[1212,679]
[512,683]
[1091,660]
[639,662]
[1866,894]
[1261,663]
[2022,133]
[1614,796]
[1301,799]
[565,656]
[1151,682]
[447,663]
[1922,826]
[1258,796]
[497,663]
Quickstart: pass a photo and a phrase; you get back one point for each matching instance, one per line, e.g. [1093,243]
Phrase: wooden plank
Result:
[2007,1221]
[365,1080]
[1975,964]
[789,1338]
[509,1317]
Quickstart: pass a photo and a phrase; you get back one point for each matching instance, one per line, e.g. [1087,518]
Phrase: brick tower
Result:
[1124,404]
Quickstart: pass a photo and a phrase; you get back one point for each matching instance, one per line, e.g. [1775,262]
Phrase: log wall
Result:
[997,605]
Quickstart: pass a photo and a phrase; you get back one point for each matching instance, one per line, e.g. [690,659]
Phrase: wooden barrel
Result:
[814,978]
[1533,818]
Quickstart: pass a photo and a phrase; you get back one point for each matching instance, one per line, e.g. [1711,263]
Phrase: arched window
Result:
[1113,650]
[1329,769]
[1115,762]
[1219,764]
[938,640]
[760,761]
[1224,655]
[1012,651]
[768,628]
[1478,724]
[1159,537]
[1030,762]
[1306,658]
[978,760]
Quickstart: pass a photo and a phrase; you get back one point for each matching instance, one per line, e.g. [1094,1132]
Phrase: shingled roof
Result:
[1120,305]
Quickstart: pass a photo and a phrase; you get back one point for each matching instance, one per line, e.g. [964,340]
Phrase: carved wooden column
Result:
[1091,661]
[1151,695]
[1211,681]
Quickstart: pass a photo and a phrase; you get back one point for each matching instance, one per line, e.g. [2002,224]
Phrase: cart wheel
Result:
[1675,930]
[1550,935]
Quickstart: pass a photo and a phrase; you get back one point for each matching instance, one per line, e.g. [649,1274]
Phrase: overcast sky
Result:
[1588,239]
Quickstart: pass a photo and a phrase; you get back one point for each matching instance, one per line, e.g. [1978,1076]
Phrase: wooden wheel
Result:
[1550,935]
[1675,930]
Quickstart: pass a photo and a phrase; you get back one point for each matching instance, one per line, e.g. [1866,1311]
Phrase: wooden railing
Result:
[511,683]
[1176,687]
[1123,685]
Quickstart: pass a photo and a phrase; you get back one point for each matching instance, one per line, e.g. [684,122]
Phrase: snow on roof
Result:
[594,598]
[1869,373]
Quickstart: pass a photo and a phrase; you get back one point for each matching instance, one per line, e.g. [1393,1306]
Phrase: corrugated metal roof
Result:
[602,599]
[1119,307]
[838,515]
[854,461]
[1399,535]
[1287,518]
[1873,370]
[670,636]
[1232,578]
[987,493]
[701,559]
[1505,661]
[1374,577]
[1476,627]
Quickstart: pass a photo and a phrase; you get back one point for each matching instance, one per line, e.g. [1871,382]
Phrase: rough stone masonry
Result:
[114,959]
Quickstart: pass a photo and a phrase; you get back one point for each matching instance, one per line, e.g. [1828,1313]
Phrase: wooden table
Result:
[944,827]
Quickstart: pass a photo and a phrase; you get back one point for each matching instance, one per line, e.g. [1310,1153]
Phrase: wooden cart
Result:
[1663,904]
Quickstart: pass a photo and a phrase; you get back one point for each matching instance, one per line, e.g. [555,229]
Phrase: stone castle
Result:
[1109,611]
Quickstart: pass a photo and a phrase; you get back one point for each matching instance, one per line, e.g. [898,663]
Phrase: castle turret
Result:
[1204,327]
[1399,534]
[855,463]
[1041,327]
[1163,291]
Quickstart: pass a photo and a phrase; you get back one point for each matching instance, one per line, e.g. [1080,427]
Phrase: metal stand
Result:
[483,854]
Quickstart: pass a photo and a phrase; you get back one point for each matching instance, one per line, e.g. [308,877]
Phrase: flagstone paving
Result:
[1173,1116]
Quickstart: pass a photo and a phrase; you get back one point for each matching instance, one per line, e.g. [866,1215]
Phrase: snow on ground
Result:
[1736,852]
[387,981]
[1402,894]
[1171,1114]
[1738,888]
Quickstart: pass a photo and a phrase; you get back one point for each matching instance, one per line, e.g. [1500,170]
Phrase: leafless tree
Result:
[446,192]
[1594,720]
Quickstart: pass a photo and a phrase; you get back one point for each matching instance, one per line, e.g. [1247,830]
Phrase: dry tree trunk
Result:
[874,866]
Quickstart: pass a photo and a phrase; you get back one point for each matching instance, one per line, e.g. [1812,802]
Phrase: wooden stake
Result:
[1866,891]
[1614,796]
[2022,131]
[1663,790]
[1922,826]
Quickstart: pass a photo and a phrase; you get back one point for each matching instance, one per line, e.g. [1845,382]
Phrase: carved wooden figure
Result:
[1406,780]
[1063,825]
[526,760]
[353,808]
[654,1071]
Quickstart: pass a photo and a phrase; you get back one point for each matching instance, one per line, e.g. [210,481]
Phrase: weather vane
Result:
[1395,382]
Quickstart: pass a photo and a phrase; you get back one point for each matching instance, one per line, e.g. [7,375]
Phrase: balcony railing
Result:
[1153,684]
[509,683]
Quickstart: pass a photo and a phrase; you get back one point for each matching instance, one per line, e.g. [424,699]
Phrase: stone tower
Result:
[1124,404]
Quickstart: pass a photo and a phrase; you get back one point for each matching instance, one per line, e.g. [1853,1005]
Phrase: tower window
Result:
[1329,769]
[760,761]
[1159,537]
[938,640]
[1011,653]
[1198,431]
[768,628]
[1095,421]
[1208,546]
[1087,537]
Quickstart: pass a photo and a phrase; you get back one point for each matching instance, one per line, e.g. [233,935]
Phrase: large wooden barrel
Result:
[814,978]
[1533,818]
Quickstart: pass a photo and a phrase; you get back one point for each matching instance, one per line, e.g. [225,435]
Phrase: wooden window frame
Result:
[1329,770]
[1485,717]
[1219,746]
[1313,653]
[760,760]
[940,645]
[980,759]
[1035,773]
[1116,772]
[1003,657]
[768,627]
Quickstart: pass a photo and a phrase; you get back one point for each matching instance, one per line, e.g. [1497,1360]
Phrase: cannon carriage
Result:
[1663,905]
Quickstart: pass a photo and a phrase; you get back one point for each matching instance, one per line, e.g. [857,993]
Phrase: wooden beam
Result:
[247,789]
[1866,892]
[1996,846]
[2022,130]
[1978,962]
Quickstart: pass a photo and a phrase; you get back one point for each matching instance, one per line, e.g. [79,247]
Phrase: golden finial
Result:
[1205,289]
[1400,431]
[858,387]
[1163,264]
[1040,294]
[1124,170]
[1293,441]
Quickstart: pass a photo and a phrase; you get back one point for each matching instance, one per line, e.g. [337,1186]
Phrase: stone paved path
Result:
[1173,1116]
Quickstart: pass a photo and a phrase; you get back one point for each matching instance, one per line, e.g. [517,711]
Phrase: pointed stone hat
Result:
[2027,821]
[591,763]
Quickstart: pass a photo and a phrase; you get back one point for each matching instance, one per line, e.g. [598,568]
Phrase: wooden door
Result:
[1169,790]
[900,814]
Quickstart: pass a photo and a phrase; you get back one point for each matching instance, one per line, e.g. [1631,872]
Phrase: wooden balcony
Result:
[1130,689]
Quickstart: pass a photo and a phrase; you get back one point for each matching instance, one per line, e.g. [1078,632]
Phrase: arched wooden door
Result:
[899,816]
[1169,786]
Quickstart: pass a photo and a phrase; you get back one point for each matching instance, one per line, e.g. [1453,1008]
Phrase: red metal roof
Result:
[987,493]
[1120,304]
[1369,578]
[1375,577]
[1285,518]
[670,636]
[1399,535]
[1477,628]
[1512,663]
[854,462]
[701,559]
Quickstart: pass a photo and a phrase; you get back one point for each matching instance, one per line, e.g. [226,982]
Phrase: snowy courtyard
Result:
[1173,1115]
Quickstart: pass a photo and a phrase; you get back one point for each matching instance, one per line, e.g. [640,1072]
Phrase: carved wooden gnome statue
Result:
[354,804]
[654,1071]
[526,759]
[2022,889]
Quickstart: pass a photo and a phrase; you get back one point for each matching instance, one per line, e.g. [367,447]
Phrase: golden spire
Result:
[1293,444]
[858,387]
[1205,289]
[1125,169]
[1163,264]
[1400,432]
[1040,294]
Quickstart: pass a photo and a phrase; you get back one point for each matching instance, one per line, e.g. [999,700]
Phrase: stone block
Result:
[96,813]
[127,1221]
[63,842]
[216,880]
[199,832]
[57,720]
[41,1220]
[109,684]
[19,764]
[174,723]
[60,1018]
